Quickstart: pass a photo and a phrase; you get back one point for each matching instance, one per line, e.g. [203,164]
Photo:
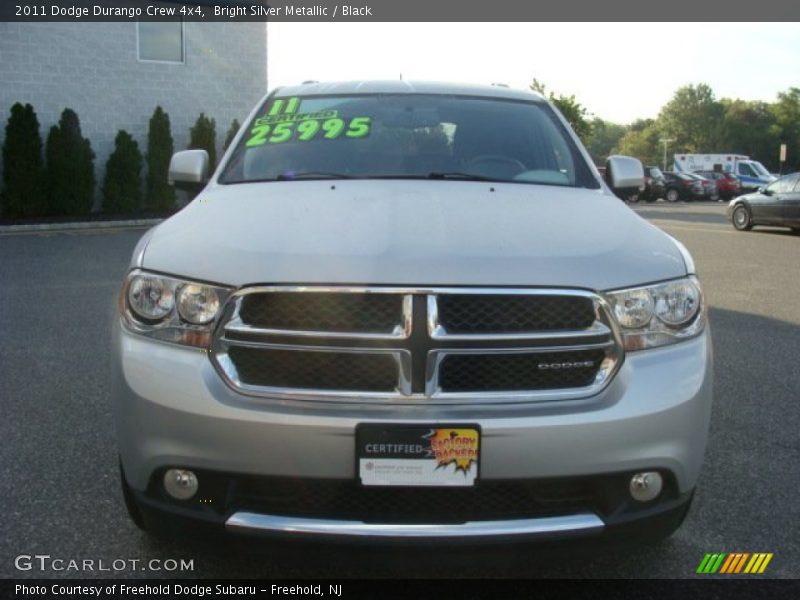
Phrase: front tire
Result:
[741,218]
[672,195]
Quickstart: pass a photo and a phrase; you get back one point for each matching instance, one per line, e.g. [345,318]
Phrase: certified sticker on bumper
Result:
[418,456]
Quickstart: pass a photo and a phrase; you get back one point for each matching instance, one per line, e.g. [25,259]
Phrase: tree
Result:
[234,129]
[122,188]
[575,113]
[22,193]
[203,136]
[749,128]
[159,194]
[642,142]
[692,118]
[787,126]
[605,137]
[70,167]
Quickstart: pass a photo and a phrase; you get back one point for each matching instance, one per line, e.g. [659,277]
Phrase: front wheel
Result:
[672,195]
[741,218]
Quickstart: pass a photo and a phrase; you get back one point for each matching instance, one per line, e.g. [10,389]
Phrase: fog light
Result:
[180,484]
[646,486]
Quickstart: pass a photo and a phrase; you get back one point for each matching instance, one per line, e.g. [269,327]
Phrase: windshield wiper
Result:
[289,176]
[460,175]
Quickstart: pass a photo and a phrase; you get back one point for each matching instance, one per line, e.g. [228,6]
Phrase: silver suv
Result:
[410,311]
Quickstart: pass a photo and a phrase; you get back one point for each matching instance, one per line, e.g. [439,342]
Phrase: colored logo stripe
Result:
[710,563]
[734,563]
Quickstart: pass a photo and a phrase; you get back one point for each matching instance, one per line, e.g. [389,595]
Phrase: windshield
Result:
[760,169]
[407,136]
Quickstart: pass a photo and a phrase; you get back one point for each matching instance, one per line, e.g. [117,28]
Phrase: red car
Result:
[727,183]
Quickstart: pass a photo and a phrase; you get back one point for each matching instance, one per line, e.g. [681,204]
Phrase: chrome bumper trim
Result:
[247,522]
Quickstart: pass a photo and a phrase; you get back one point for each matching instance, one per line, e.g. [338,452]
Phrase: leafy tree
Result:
[574,112]
[605,137]
[70,167]
[749,128]
[22,193]
[643,142]
[122,188]
[234,129]
[692,118]
[203,136]
[159,195]
[787,126]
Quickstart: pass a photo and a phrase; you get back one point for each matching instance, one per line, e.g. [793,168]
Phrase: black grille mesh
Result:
[322,311]
[315,370]
[518,372]
[478,313]
[347,499]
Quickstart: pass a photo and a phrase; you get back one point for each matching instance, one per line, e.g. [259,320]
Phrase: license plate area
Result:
[418,455]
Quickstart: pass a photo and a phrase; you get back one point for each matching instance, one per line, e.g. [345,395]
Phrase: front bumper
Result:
[173,410]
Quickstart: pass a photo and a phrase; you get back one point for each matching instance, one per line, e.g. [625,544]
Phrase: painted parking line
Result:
[684,227]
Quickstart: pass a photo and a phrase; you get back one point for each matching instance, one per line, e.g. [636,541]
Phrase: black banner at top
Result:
[397,10]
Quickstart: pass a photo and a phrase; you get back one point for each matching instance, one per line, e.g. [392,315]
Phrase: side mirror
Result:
[765,190]
[188,170]
[624,175]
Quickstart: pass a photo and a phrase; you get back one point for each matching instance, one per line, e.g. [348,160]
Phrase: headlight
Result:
[198,304]
[661,314]
[171,309]
[150,298]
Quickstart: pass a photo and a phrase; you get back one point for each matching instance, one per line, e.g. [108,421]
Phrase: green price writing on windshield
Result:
[278,132]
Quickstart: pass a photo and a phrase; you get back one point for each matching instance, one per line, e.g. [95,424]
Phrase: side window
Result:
[744,169]
[160,41]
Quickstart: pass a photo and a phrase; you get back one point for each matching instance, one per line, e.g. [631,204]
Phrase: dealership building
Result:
[113,75]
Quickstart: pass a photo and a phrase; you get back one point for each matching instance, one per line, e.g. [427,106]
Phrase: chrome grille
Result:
[503,313]
[519,371]
[438,345]
[324,312]
[315,369]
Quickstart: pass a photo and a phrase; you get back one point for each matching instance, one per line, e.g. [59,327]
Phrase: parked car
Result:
[680,186]
[710,190]
[775,204]
[654,184]
[409,311]
[727,183]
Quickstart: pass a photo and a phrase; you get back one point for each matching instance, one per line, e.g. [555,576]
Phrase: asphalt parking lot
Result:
[61,496]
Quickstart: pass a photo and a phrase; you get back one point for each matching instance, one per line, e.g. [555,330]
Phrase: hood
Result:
[411,232]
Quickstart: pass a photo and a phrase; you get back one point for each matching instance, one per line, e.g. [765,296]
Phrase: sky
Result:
[618,71]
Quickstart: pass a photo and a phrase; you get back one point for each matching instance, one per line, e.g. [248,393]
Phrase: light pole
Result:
[666,141]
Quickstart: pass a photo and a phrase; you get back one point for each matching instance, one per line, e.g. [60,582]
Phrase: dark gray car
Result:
[775,204]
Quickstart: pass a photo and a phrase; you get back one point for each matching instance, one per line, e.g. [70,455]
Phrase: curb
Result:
[79,225]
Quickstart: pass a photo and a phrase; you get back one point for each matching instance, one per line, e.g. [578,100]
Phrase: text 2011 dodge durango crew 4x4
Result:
[410,311]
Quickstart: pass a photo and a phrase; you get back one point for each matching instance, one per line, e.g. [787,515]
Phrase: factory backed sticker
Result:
[399,455]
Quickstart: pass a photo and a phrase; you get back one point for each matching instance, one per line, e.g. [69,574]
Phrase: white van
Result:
[751,173]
